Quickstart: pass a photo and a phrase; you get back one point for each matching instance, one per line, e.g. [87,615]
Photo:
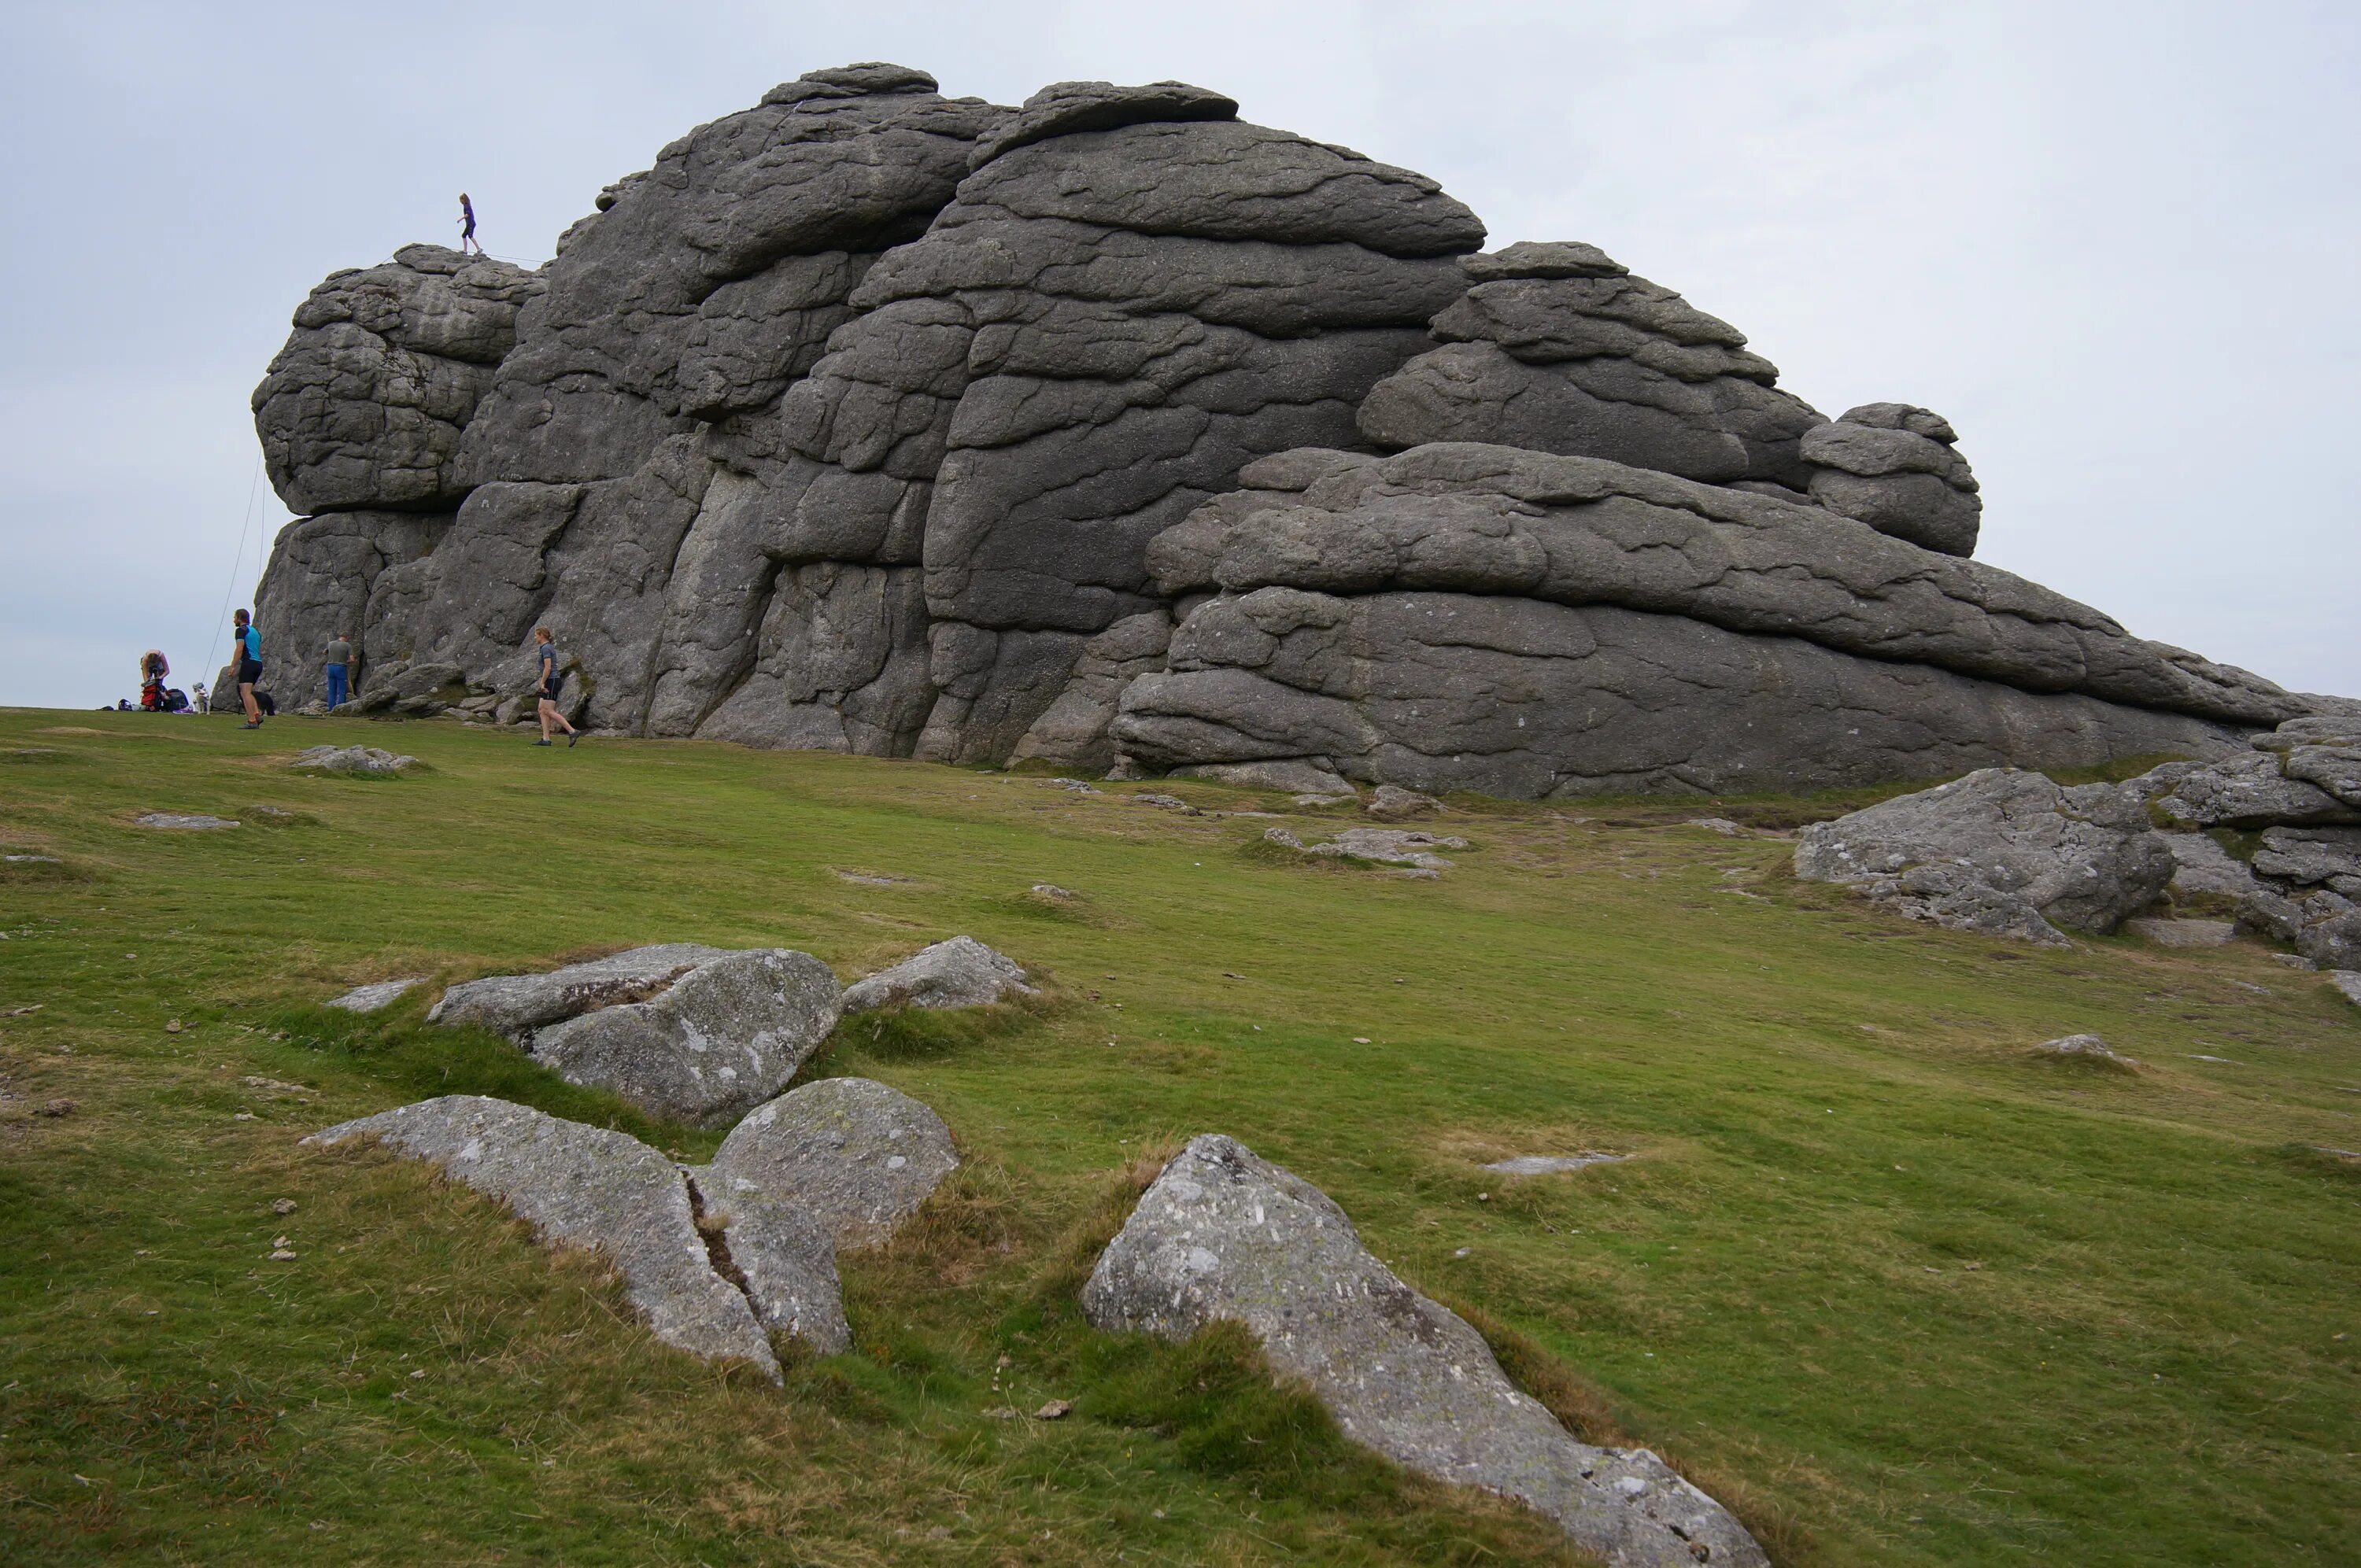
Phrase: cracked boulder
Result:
[1893,466]
[723,1037]
[689,1033]
[1224,1236]
[2000,851]
[848,1155]
[588,1188]
[959,972]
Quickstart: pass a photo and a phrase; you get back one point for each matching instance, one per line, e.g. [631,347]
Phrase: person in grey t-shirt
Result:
[340,670]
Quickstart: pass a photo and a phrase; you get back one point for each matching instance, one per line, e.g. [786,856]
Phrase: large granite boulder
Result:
[858,419]
[1558,348]
[589,1187]
[1891,466]
[722,1038]
[850,1154]
[1224,1236]
[2002,851]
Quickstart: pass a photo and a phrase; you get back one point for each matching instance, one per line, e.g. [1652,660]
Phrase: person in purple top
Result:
[467,227]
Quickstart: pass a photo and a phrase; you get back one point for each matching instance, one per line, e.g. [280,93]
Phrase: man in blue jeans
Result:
[340,665]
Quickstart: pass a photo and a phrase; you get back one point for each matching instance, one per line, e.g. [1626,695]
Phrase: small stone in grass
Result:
[1360,1039]
[1056,1409]
[58,1108]
[1000,1413]
[282,1255]
[283,1206]
[172,1028]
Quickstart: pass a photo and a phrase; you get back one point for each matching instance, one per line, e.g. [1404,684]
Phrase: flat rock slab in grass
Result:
[2183,932]
[583,1187]
[2348,982]
[369,998]
[2085,1047]
[725,1037]
[1224,1236]
[959,972]
[2000,851]
[183,822]
[367,760]
[516,1004]
[1392,846]
[855,1156]
[1549,1164]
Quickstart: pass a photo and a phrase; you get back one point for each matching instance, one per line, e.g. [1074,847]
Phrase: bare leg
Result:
[245,695]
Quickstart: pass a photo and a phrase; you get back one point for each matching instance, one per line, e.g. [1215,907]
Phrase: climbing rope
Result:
[237,567]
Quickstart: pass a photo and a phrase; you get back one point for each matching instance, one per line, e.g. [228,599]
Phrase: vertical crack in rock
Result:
[715,1233]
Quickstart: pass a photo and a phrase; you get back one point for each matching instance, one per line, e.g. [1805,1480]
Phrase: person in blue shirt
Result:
[246,643]
[545,688]
[467,240]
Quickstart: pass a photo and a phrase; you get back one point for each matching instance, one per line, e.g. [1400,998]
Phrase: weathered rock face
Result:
[2000,850]
[874,420]
[517,1005]
[1224,1236]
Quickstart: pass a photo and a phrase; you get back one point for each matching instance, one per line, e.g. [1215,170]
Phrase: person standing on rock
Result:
[546,690]
[248,643]
[467,227]
[340,667]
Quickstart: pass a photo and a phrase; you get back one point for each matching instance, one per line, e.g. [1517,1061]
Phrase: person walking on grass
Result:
[340,671]
[248,643]
[547,690]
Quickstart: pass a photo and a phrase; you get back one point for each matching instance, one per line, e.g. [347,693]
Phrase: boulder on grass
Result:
[368,761]
[961,972]
[2002,852]
[1223,1236]
[854,1155]
[725,1037]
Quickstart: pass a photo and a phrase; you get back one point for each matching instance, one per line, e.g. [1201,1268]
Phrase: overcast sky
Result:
[2114,244]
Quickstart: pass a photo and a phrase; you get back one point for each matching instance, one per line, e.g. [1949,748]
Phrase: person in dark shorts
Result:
[247,646]
[546,690]
[340,671]
[467,227]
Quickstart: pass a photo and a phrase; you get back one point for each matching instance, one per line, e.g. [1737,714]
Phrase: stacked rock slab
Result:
[1485,618]
[1556,347]
[854,421]
[1224,1236]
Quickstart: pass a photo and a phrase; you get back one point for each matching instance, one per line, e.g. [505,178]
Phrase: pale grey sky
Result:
[2115,243]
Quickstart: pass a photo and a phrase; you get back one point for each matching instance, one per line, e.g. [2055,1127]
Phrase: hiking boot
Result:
[251,724]
[571,737]
[541,743]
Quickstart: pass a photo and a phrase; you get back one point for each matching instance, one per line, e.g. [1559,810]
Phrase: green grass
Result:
[1896,1290]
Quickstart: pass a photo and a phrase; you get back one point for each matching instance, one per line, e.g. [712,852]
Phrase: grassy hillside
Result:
[1898,1293]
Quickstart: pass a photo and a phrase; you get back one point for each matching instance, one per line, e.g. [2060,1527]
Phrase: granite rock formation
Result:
[875,421]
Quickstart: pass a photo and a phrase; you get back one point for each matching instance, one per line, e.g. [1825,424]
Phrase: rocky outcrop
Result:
[692,1034]
[875,421]
[1224,1236]
[2000,851]
[372,998]
[959,972]
[854,1157]
[588,1188]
